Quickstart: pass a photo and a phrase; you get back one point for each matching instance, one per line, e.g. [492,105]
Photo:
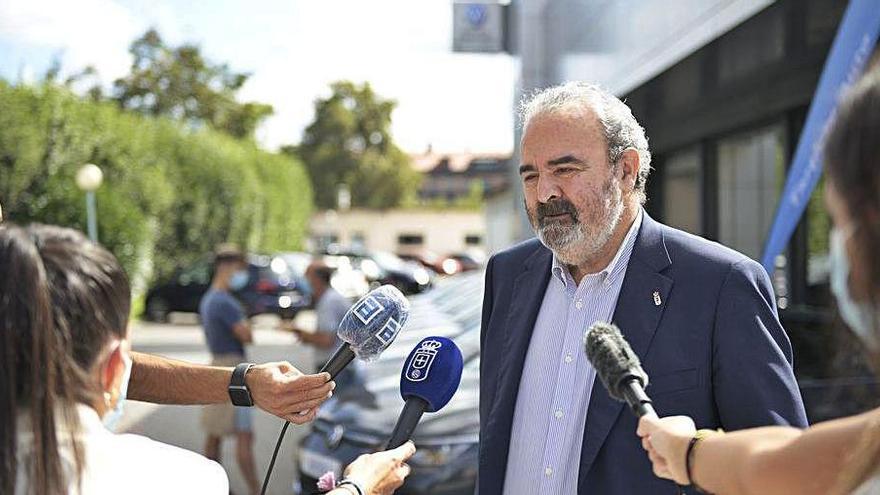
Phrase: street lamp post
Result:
[89,178]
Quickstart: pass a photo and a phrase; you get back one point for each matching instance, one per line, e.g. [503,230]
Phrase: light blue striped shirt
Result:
[557,379]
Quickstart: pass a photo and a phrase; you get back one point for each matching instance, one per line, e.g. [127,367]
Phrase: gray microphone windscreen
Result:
[374,321]
[612,357]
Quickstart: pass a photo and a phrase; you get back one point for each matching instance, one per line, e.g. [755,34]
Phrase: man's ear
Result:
[630,161]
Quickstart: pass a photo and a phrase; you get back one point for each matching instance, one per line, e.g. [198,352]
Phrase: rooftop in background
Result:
[453,176]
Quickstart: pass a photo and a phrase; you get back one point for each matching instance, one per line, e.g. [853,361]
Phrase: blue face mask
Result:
[858,316]
[238,280]
[111,418]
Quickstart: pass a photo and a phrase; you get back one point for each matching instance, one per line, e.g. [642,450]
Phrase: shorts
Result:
[225,419]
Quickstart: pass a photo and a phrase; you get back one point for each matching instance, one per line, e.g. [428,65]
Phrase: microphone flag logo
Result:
[389,331]
[368,309]
[420,364]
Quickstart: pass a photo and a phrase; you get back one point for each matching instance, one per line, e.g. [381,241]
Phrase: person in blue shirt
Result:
[227,331]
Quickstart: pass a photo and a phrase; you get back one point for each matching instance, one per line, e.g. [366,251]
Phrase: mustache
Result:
[556,207]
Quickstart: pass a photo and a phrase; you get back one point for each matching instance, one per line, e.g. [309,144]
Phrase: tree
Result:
[181,83]
[350,143]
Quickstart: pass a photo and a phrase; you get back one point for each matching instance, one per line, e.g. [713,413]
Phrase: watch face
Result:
[238,390]
[240,396]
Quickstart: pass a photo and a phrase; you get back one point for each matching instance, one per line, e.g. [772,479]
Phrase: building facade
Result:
[441,232]
[722,89]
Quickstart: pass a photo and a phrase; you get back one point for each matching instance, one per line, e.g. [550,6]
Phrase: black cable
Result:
[274,455]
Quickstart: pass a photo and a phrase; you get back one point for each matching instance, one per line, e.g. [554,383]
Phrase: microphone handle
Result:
[340,359]
[636,397]
[407,422]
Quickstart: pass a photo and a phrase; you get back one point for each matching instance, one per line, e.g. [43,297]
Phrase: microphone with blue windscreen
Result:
[369,327]
[430,377]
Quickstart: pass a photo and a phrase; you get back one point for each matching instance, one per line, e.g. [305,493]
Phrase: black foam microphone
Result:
[618,367]
[369,327]
[428,381]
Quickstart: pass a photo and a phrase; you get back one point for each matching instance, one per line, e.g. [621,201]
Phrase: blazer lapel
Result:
[526,298]
[638,312]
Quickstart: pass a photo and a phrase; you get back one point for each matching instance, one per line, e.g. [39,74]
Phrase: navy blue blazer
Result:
[713,350]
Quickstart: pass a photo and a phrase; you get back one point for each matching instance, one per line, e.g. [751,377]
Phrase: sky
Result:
[294,49]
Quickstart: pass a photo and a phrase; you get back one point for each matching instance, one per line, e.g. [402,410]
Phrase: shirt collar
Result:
[617,264]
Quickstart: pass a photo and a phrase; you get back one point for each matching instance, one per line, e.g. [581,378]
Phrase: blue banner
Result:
[853,45]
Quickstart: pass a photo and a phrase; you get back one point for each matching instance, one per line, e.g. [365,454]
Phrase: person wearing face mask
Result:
[834,457]
[227,331]
[64,372]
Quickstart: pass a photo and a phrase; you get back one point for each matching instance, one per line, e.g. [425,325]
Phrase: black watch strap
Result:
[238,390]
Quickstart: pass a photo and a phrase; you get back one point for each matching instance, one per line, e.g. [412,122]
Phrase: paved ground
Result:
[179,425]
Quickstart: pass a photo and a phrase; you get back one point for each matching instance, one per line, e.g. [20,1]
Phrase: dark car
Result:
[360,420]
[273,287]
[381,268]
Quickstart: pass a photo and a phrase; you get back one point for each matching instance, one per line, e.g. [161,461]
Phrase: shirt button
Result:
[558,414]
[568,358]
[579,304]
[548,471]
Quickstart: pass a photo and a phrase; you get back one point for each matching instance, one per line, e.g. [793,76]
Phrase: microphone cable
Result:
[274,456]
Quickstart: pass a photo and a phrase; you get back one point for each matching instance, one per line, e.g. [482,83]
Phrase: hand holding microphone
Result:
[665,439]
[429,379]
[367,329]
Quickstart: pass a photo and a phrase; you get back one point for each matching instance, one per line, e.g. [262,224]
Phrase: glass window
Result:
[751,173]
[199,274]
[358,240]
[818,229]
[682,191]
[473,239]
[752,46]
[410,239]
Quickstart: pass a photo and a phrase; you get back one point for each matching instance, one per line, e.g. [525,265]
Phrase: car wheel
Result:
[157,310]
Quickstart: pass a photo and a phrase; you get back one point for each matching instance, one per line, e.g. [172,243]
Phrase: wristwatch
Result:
[238,390]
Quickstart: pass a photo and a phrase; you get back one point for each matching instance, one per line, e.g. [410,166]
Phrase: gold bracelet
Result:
[689,455]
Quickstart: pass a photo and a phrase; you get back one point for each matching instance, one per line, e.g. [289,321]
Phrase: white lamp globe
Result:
[89,177]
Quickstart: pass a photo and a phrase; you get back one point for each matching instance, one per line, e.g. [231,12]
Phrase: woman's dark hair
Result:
[852,166]
[62,297]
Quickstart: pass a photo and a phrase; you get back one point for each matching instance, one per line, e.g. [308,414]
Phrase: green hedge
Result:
[170,194]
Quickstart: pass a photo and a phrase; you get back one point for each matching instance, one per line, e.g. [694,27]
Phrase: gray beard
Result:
[575,244]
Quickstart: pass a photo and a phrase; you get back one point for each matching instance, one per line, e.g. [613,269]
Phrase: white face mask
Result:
[859,316]
[111,418]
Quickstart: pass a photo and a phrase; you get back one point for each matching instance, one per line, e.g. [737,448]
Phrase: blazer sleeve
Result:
[753,376]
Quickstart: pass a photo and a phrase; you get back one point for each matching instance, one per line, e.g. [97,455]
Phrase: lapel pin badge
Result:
[657,300]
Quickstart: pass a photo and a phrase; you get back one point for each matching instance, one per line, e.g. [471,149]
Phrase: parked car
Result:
[273,287]
[346,279]
[466,261]
[427,259]
[360,419]
[381,267]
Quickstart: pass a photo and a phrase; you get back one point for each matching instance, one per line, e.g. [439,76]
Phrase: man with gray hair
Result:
[701,317]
